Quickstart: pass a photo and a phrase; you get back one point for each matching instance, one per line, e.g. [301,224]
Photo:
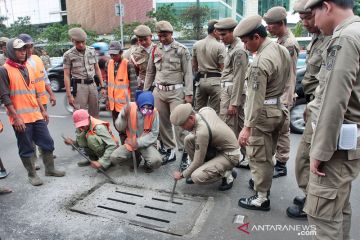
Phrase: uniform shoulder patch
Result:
[331,56]
[254,78]
[291,50]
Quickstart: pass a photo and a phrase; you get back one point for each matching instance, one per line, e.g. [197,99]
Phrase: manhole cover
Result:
[143,207]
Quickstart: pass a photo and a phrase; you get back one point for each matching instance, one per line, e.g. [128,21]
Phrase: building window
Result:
[265,5]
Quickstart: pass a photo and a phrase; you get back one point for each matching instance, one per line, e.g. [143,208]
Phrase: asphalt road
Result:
[44,212]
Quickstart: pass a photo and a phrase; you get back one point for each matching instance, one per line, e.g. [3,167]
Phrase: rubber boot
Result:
[48,159]
[32,176]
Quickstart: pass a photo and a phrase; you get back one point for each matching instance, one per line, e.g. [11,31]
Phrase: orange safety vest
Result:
[1,126]
[117,87]
[23,96]
[132,123]
[38,66]
[94,122]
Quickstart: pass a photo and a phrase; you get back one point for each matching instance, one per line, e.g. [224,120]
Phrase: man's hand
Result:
[69,141]
[103,92]
[45,116]
[177,175]
[314,167]
[107,105]
[52,100]
[232,110]
[132,143]
[188,99]
[71,101]
[19,124]
[95,164]
[244,136]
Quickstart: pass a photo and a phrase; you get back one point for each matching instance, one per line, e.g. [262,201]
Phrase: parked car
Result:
[56,77]
[297,123]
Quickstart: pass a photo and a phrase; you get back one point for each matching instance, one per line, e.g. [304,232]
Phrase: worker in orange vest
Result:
[95,137]
[140,120]
[122,82]
[25,111]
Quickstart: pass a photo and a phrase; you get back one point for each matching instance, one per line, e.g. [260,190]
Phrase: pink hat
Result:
[81,118]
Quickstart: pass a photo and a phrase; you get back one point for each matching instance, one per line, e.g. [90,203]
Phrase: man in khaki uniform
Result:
[276,19]
[313,63]
[170,69]
[264,113]
[233,86]
[335,165]
[134,43]
[141,54]
[208,62]
[212,146]
[3,41]
[80,62]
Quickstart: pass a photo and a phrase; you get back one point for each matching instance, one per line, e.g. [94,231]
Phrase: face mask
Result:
[146,112]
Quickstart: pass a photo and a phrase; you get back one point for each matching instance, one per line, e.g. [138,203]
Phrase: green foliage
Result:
[357,7]
[167,13]
[298,29]
[129,29]
[193,19]
[22,25]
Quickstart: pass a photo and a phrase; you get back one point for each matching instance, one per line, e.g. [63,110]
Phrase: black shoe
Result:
[226,186]
[184,162]
[248,203]
[299,201]
[280,170]
[296,212]
[169,157]
[252,184]
[189,181]
[162,149]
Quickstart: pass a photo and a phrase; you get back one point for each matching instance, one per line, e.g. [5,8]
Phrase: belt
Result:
[169,87]
[84,81]
[209,74]
[271,101]
[309,97]
[226,84]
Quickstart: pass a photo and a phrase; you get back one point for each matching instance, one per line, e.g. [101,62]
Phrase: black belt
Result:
[209,74]
[84,81]
[309,97]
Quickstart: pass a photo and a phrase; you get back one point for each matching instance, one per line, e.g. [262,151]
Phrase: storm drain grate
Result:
[143,207]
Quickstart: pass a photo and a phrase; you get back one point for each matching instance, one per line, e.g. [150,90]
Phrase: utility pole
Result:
[122,11]
[198,23]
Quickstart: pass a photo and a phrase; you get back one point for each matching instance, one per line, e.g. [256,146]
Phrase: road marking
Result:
[52,116]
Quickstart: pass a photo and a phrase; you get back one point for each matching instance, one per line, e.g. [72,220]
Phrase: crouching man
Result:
[95,137]
[211,145]
[140,120]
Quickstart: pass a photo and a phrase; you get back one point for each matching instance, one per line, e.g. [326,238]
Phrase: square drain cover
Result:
[143,207]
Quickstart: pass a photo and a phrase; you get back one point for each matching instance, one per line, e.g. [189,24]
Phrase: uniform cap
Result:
[212,22]
[226,23]
[26,38]
[275,14]
[18,43]
[247,25]
[180,114]
[4,39]
[81,118]
[145,98]
[77,34]
[142,31]
[299,7]
[312,3]
[163,26]
[115,47]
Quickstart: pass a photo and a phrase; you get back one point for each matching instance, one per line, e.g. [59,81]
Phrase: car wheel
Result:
[55,85]
[297,123]
[67,106]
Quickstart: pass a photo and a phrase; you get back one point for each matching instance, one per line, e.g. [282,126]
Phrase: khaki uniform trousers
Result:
[283,146]
[212,170]
[208,94]
[165,102]
[302,161]
[262,145]
[327,204]
[87,98]
[150,154]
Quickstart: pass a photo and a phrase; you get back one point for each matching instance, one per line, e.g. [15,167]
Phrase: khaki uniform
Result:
[209,53]
[264,113]
[170,69]
[82,67]
[327,204]
[309,82]
[127,53]
[233,86]
[197,144]
[2,59]
[283,147]
[46,61]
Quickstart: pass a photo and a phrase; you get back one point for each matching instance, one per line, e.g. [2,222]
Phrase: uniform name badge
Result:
[348,137]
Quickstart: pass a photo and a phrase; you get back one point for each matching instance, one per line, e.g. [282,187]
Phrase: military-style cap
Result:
[226,23]
[212,22]
[312,3]
[180,114]
[247,25]
[299,7]
[142,31]
[115,47]
[163,26]
[4,39]
[18,43]
[77,34]
[275,14]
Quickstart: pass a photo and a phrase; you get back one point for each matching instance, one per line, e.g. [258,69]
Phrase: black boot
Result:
[255,203]
[169,157]
[162,149]
[252,184]
[189,181]
[227,184]
[184,162]
[299,201]
[280,170]
[296,212]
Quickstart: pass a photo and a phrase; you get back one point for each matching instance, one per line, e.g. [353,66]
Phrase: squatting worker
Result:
[95,137]
[81,64]
[208,62]
[170,68]
[212,146]
[264,113]
[333,168]
[26,113]
[315,50]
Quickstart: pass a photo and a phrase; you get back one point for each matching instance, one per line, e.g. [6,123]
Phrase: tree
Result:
[193,19]
[22,25]
[298,29]
[167,13]
[357,7]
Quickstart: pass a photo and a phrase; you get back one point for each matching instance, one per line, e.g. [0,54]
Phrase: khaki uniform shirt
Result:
[235,66]
[209,53]
[2,59]
[267,77]
[46,61]
[127,53]
[341,94]
[169,67]
[290,42]
[223,138]
[313,62]
[81,65]
[140,58]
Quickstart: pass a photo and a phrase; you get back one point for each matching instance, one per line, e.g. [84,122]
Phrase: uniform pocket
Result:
[256,149]
[174,63]
[92,60]
[273,112]
[76,64]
